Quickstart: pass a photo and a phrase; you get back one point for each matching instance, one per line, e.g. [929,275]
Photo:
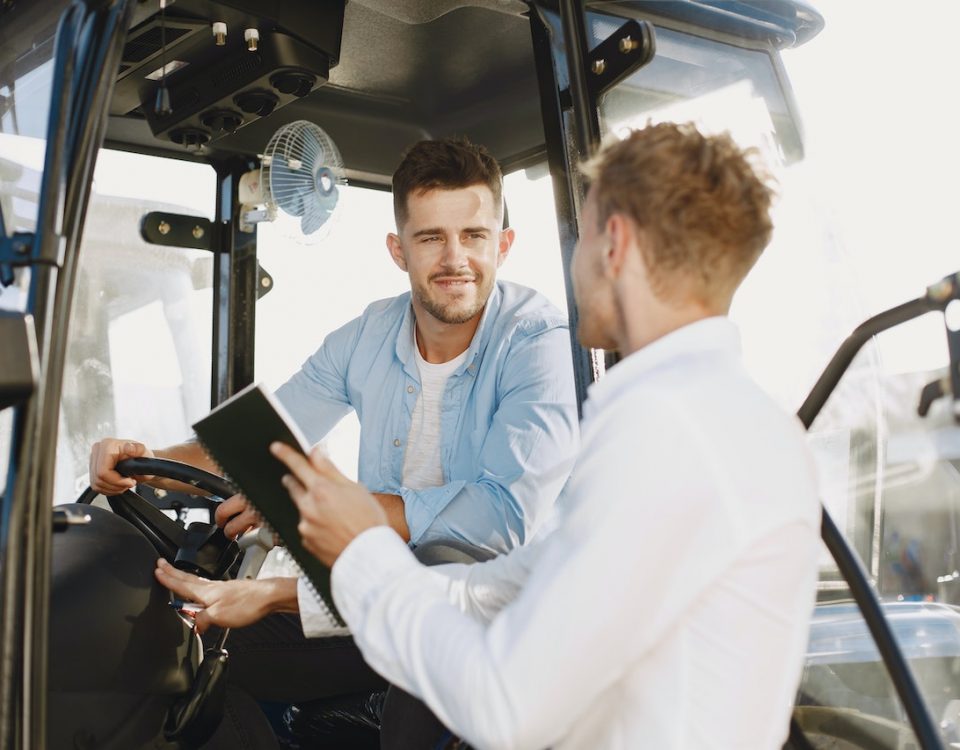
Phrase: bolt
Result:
[198,232]
[20,247]
[164,228]
[265,282]
[940,291]
[628,44]
[599,66]
[220,33]
[252,37]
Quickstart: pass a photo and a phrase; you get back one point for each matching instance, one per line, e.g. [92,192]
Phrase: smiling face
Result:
[451,245]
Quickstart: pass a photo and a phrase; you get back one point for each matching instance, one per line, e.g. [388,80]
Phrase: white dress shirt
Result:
[668,609]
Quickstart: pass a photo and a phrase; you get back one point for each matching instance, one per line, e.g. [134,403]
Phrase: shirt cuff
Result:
[314,615]
[421,507]
[372,559]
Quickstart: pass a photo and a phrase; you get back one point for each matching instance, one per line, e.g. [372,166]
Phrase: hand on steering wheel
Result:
[205,551]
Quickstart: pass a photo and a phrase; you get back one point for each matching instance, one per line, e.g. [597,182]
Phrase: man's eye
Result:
[477,236]
[431,238]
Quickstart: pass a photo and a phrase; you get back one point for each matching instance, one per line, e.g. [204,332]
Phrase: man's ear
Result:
[620,232]
[507,236]
[396,251]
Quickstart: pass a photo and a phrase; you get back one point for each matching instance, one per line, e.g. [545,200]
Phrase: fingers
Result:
[241,523]
[104,456]
[304,468]
[235,515]
[229,508]
[297,491]
[183,584]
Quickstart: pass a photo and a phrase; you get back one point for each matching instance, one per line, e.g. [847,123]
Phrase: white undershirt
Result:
[421,462]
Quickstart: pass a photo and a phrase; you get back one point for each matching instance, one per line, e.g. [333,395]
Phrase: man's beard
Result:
[448,313]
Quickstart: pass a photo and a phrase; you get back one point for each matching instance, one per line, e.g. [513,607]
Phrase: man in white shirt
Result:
[669,607]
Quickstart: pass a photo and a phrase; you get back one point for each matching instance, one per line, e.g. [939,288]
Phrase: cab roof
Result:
[377,75]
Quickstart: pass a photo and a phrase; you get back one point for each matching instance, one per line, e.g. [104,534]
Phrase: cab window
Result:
[138,357]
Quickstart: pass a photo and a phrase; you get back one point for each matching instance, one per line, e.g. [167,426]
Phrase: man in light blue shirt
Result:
[464,391]
[507,415]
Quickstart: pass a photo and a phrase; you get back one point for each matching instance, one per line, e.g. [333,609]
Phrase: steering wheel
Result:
[200,548]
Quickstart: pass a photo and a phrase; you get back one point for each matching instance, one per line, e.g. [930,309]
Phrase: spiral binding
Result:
[331,614]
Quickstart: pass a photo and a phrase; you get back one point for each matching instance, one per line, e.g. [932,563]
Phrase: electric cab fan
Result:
[301,173]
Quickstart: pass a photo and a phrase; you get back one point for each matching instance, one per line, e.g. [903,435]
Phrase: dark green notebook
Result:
[237,435]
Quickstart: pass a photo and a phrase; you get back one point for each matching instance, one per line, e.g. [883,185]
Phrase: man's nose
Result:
[454,253]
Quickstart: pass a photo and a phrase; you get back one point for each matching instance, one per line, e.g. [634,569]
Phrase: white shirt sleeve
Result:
[482,590]
[604,589]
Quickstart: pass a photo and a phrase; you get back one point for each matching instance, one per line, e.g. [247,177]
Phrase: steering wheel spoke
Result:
[200,548]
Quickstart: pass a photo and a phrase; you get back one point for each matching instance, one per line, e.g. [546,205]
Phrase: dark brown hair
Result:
[702,202]
[448,163]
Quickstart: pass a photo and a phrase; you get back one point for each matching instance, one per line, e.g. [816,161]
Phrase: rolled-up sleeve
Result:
[525,458]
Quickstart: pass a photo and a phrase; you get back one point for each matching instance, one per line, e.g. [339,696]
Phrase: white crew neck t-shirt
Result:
[421,462]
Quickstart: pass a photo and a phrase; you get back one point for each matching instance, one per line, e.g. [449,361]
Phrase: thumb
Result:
[202,621]
[133,449]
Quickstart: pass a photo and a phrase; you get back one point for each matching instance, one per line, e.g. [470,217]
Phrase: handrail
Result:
[937,297]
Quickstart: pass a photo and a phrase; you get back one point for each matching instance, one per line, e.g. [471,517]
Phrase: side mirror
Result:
[19,362]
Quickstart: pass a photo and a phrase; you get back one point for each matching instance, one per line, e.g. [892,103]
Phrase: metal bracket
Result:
[620,55]
[179,230]
[19,358]
[14,251]
[953,346]
[264,281]
[943,294]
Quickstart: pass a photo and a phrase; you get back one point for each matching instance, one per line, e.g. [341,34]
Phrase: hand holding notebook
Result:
[238,434]
[333,509]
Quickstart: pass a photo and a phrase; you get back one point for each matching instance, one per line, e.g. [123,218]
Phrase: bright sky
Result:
[877,93]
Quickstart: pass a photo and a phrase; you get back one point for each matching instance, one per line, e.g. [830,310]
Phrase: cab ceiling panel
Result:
[401,71]
[467,72]
[227,64]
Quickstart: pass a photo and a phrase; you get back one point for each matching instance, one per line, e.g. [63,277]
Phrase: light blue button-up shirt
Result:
[508,422]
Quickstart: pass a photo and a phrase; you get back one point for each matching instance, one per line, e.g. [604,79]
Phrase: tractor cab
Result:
[194,193]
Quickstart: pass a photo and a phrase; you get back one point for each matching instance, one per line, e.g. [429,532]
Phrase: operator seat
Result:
[119,655]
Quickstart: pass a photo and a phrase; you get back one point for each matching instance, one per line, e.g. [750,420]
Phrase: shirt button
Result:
[409,389]
[397,442]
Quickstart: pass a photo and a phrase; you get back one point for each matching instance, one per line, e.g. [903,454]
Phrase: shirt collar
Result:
[710,335]
[405,346]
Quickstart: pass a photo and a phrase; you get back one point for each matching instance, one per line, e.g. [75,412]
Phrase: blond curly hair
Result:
[702,202]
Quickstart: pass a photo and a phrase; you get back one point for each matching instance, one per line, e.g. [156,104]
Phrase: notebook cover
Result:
[237,434]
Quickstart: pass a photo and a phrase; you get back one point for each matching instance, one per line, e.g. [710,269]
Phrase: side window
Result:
[26,81]
[138,358]
[319,286]
[535,259]
[322,284]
